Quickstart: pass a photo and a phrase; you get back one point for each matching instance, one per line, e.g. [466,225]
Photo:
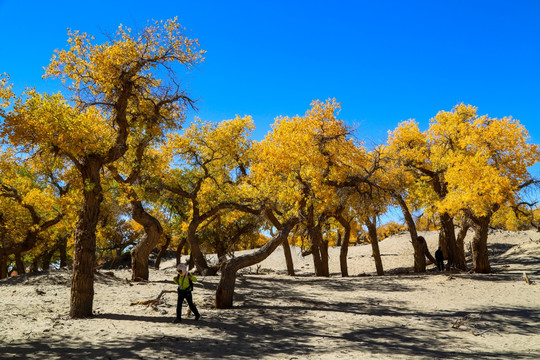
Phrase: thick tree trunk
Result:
[162,251]
[152,234]
[452,251]
[319,251]
[344,246]
[479,245]
[82,282]
[324,257]
[288,257]
[229,269]
[316,255]
[372,231]
[419,258]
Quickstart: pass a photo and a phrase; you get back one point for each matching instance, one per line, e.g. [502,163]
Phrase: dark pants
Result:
[440,264]
[182,294]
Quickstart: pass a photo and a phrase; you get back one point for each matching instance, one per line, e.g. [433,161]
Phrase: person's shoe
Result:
[197,317]
[177,320]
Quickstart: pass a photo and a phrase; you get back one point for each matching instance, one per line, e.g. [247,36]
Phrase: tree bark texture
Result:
[344,246]
[319,251]
[288,257]
[479,245]
[82,282]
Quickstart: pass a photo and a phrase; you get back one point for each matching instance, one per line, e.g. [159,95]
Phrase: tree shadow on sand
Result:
[283,332]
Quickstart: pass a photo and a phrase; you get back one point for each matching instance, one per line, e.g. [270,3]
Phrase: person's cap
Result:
[181,268]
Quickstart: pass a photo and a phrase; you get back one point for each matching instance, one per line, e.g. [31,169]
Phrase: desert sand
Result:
[402,315]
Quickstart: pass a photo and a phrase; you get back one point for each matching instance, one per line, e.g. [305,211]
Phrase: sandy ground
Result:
[397,316]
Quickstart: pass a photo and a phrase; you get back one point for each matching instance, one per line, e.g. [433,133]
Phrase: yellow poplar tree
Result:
[297,158]
[116,89]
[488,161]
[207,162]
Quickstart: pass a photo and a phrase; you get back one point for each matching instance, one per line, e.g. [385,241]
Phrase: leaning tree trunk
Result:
[288,257]
[372,231]
[82,282]
[229,269]
[344,246]
[152,233]
[419,257]
[479,245]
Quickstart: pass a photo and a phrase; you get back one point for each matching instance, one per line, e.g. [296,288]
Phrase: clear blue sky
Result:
[385,61]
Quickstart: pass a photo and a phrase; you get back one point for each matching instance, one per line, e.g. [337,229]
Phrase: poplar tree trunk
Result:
[419,258]
[19,264]
[82,282]
[141,252]
[452,250]
[372,231]
[319,252]
[479,245]
[344,246]
[229,269]
[316,254]
[46,259]
[288,257]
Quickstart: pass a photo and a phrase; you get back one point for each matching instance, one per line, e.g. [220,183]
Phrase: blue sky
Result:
[385,61]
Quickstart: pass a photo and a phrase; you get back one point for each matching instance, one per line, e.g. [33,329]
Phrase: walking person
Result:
[185,281]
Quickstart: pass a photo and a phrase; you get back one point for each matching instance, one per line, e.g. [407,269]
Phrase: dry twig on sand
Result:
[529,282]
[153,302]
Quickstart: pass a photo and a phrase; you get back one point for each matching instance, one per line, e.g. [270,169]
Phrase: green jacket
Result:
[183,281]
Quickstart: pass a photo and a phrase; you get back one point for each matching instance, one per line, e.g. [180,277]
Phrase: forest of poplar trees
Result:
[111,164]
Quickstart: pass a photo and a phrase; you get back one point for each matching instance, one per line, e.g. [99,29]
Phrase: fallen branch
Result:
[153,302]
[529,282]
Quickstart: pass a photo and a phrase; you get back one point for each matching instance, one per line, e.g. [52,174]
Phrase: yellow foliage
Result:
[389,229]
[464,161]
[98,68]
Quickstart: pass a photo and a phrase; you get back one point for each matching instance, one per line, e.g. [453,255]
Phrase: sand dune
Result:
[397,316]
